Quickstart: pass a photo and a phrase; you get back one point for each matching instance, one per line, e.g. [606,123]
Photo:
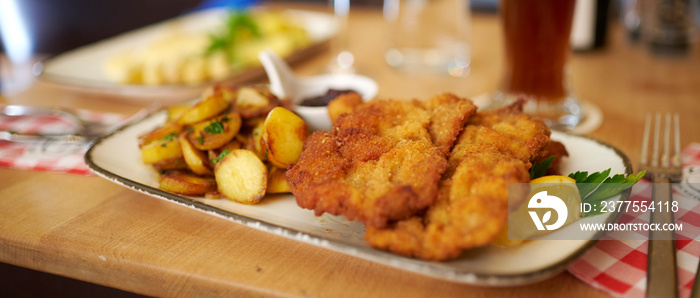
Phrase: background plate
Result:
[82,69]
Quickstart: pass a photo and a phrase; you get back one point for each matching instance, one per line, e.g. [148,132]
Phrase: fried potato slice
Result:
[186,183]
[256,139]
[221,90]
[283,137]
[169,128]
[161,150]
[241,177]
[232,145]
[176,111]
[215,132]
[277,181]
[197,160]
[205,109]
[177,163]
[255,101]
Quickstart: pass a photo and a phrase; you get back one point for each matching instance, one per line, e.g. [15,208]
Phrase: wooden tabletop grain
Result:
[91,229]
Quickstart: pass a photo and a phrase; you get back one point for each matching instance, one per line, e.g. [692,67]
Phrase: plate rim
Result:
[435,269]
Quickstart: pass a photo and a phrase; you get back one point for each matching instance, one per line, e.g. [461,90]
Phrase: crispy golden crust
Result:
[471,210]
[507,130]
[381,163]
[496,148]
[343,104]
[448,114]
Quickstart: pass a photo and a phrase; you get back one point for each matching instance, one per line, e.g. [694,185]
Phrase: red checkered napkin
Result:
[51,156]
[617,265]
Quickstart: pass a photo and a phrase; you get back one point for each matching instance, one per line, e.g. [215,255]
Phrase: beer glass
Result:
[536,36]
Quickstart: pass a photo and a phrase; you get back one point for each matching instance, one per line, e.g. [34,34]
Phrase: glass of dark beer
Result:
[536,36]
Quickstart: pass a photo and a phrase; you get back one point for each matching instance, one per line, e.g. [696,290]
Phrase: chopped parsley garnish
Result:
[221,156]
[169,137]
[215,127]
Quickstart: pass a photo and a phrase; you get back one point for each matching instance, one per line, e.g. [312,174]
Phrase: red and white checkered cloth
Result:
[49,156]
[617,265]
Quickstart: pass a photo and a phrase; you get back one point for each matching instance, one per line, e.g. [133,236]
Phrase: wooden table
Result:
[91,229]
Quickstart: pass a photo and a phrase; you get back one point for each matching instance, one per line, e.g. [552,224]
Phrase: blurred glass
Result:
[16,60]
[429,35]
[537,47]
[342,60]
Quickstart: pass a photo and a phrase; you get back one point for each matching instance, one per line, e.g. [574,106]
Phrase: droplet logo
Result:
[542,200]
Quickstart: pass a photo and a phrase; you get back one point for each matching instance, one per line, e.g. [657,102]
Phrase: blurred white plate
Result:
[82,69]
[116,157]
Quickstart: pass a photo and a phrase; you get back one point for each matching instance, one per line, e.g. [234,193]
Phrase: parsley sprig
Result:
[598,186]
[539,169]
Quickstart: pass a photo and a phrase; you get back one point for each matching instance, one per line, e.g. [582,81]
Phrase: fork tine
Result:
[645,140]
[655,145]
[677,141]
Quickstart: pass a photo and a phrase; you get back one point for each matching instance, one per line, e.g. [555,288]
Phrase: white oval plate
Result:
[116,157]
[82,69]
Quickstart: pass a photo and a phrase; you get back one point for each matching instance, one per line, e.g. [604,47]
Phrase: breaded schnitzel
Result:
[381,163]
[495,148]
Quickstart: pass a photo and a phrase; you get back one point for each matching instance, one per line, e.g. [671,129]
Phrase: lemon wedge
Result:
[554,179]
[563,187]
[521,225]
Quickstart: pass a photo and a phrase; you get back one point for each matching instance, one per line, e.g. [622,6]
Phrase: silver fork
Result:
[662,274]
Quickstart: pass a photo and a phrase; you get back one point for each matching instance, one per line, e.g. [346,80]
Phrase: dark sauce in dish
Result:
[323,100]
